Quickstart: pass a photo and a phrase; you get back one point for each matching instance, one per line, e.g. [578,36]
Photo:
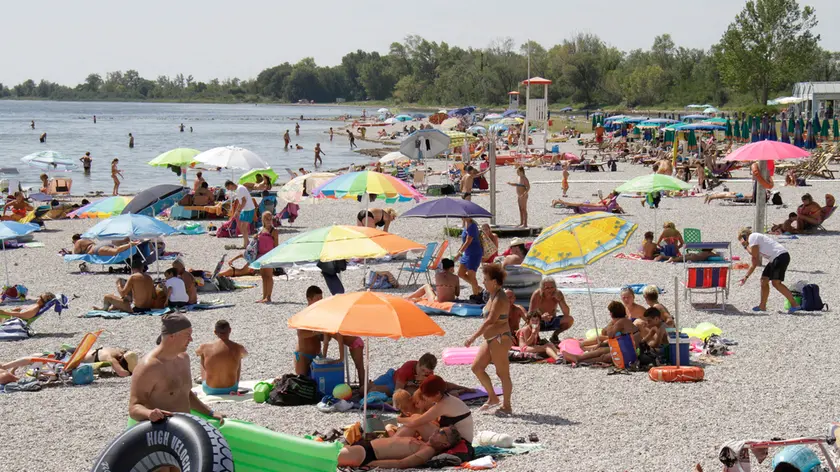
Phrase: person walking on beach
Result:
[331,134]
[352,139]
[760,245]
[297,129]
[523,186]
[243,206]
[115,174]
[130,141]
[470,254]
[318,153]
[286,140]
[86,160]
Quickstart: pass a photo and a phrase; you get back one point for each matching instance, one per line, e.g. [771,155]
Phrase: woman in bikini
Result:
[122,361]
[27,312]
[376,217]
[448,410]
[671,241]
[115,174]
[18,206]
[523,186]
[497,340]
[267,239]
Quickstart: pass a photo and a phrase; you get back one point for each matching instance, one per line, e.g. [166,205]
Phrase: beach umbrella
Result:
[745,131]
[462,111]
[251,175]
[155,199]
[383,110]
[178,157]
[797,134]
[425,144]
[767,151]
[13,230]
[447,208]
[403,118]
[497,116]
[438,118]
[129,226]
[652,183]
[772,136]
[817,126]
[825,128]
[785,137]
[49,161]
[232,157]
[477,129]
[418,116]
[511,121]
[105,208]
[728,131]
[361,184]
[791,125]
[394,156]
[736,130]
[811,141]
[368,315]
[391,121]
[754,135]
[692,141]
[301,186]
[711,110]
[836,131]
[576,242]
[336,243]
[450,123]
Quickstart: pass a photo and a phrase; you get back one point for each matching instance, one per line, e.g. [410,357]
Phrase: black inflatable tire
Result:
[518,276]
[184,441]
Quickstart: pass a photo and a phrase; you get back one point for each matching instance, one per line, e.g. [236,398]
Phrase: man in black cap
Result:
[161,383]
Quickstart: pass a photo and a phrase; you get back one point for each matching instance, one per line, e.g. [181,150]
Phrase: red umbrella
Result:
[767,151]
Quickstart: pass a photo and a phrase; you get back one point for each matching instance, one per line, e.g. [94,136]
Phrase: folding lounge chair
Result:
[826,214]
[692,235]
[63,369]
[123,259]
[59,304]
[419,267]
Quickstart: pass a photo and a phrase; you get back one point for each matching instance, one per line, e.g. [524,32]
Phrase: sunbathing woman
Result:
[809,214]
[602,203]
[122,361]
[448,410]
[529,338]
[27,312]
[87,246]
[735,197]
[18,206]
[243,271]
[376,218]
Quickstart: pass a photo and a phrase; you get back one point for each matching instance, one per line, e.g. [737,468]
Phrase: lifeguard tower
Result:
[513,100]
[536,112]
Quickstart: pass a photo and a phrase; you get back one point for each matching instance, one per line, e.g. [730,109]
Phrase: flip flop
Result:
[533,437]
[757,309]
[502,412]
[794,309]
[487,406]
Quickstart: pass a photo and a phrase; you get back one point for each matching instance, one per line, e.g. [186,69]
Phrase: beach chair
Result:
[63,370]
[435,264]
[420,267]
[826,214]
[60,186]
[420,179]
[59,304]
[692,235]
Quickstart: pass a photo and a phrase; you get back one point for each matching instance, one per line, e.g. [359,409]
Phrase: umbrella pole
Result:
[677,317]
[5,263]
[446,235]
[588,285]
[157,259]
[367,376]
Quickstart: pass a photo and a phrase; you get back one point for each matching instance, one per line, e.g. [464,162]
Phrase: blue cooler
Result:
[326,374]
[685,358]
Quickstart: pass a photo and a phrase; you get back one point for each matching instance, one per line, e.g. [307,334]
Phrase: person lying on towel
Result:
[447,285]
[397,452]
[88,246]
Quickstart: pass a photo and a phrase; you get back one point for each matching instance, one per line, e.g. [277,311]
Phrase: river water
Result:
[71,131]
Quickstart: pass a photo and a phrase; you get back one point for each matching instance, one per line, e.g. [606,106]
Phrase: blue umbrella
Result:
[772,136]
[785,138]
[461,111]
[419,116]
[129,226]
[797,135]
[702,127]
[403,118]
[13,230]
[811,142]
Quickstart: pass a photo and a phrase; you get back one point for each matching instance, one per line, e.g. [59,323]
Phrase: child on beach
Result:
[619,324]
[115,172]
[565,184]
[786,227]
[651,294]
[654,333]
[649,248]
[529,338]
[175,289]
[523,186]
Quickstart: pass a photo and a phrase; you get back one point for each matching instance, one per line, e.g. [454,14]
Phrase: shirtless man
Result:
[398,452]
[467,182]
[161,383]
[633,309]
[546,300]
[516,313]
[651,294]
[447,285]
[87,246]
[517,253]
[189,281]
[523,186]
[221,362]
[139,288]
[309,342]
[665,167]
[318,153]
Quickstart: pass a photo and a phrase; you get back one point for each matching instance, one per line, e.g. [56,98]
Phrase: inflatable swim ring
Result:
[765,183]
[676,374]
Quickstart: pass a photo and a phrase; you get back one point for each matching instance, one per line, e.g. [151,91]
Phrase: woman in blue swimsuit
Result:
[470,254]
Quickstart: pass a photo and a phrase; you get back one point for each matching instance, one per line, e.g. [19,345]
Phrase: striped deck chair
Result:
[708,280]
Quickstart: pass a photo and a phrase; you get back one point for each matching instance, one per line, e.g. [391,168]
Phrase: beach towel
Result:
[247,397]
[478,395]
[208,305]
[15,329]
[115,315]
[637,289]
[575,278]
[27,245]
[631,256]
[516,449]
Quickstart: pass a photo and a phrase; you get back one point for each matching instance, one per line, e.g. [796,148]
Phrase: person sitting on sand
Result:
[446,409]
[45,183]
[376,218]
[19,207]
[88,246]
[517,253]
[651,295]
[447,285]
[189,281]
[407,377]
[516,314]
[122,361]
[221,362]
[619,324]
[397,452]
[787,226]
[203,196]
[139,289]
[355,345]
[670,242]
[653,330]
[808,215]
[309,342]
[649,248]
[176,292]
[633,309]
[161,383]
[529,338]
[27,312]
[546,301]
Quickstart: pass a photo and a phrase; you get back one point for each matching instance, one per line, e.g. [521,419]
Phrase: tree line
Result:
[767,47]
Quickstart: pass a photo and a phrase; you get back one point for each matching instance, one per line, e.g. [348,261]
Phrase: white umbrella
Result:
[232,157]
[49,161]
[393,157]
[390,121]
[425,143]
[450,123]
[711,110]
[383,110]
[293,190]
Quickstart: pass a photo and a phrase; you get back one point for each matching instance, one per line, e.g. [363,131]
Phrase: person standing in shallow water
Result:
[86,161]
[318,153]
[297,129]
[130,141]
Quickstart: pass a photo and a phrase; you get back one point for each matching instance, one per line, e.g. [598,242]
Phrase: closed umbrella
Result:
[728,131]
[155,199]
[745,131]
[797,134]
[817,126]
[425,144]
[785,138]
[754,134]
[692,141]
[791,124]
[772,136]
[49,161]
[810,141]
[13,230]
[836,131]
[825,127]
[736,130]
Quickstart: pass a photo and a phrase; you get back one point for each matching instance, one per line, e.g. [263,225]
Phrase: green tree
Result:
[767,47]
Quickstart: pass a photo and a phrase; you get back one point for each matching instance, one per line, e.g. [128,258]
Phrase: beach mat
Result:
[479,394]
[208,305]
[637,289]
[243,398]
[116,315]
[465,310]
[630,256]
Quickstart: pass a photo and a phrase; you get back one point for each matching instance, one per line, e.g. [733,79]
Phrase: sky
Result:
[64,41]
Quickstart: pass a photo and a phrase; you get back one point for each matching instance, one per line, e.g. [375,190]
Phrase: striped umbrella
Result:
[355,185]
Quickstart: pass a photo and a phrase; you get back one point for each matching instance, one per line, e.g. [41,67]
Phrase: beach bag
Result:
[225,284]
[487,244]
[227,230]
[83,375]
[294,390]
[623,351]
[811,300]
[776,199]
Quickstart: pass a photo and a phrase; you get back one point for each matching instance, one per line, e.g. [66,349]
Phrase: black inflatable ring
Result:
[183,441]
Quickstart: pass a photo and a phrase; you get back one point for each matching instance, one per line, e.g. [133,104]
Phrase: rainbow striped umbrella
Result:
[105,208]
[355,185]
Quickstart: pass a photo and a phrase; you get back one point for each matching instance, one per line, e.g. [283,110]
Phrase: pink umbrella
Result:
[767,151]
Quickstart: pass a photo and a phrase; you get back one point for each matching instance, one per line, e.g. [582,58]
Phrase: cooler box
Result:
[327,375]
[684,351]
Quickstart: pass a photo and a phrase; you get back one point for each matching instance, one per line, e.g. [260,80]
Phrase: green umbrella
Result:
[179,157]
[251,175]
[749,122]
[736,130]
[824,132]
[594,121]
[791,125]
[653,183]
[728,131]
[836,131]
[692,141]
[745,131]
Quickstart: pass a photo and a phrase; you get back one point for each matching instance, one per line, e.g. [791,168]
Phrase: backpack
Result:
[776,199]
[294,390]
[811,300]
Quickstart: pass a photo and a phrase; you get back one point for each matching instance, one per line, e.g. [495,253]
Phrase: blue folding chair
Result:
[420,267]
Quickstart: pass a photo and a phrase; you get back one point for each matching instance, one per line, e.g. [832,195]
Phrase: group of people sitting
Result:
[139,293]
[807,218]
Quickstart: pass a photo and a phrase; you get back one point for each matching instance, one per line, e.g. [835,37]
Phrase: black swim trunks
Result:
[370,454]
[775,270]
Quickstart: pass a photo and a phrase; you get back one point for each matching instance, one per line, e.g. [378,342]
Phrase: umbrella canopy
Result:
[462,111]
[653,183]
[447,208]
[711,110]
[178,157]
[702,127]
[367,314]
[155,199]
[477,129]
[690,118]
[251,175]
[395,156]
[493,116]
[767,151]
[335,243]
[511,121]
[50,161]
[391,121]
[438,118]
[578,241]
[105,208]
[357,184]
[403,118]
[13,230]
[129,226]
[383,110]
[457,138]
[293,190]
[232,157]
[450,123]
[425,144]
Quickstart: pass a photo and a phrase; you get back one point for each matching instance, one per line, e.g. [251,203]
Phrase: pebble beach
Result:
[780,380]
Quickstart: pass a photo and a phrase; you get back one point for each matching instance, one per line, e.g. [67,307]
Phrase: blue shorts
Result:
[471,262]
[552,325]
[219,391]
[246,215]
[386,380]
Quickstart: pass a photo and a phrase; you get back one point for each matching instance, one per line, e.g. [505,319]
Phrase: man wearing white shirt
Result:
[760,245]
[243,207]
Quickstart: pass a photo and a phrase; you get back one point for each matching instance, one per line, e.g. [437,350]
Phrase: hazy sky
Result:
[63,41]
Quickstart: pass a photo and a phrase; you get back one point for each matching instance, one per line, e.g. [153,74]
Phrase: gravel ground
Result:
[779,382]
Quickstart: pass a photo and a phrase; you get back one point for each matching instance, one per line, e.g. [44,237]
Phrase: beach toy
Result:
[342,392]
[17,292]
[572,346]
[801,457]
[591,334]
[672,373]
[261,391]
[702,331]
[459,355]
